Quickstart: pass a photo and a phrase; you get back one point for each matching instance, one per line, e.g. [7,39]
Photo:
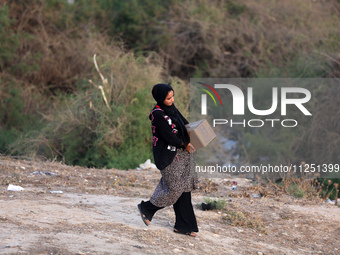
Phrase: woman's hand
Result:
[190,148]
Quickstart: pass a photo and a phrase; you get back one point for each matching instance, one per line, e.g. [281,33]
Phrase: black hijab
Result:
[159,93]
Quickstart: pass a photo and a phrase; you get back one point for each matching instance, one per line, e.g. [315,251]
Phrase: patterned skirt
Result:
[178,177]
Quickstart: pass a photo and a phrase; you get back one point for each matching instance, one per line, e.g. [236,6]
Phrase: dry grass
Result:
[59,56]
[244,219]
[208,186]
[238,38]
[290,185]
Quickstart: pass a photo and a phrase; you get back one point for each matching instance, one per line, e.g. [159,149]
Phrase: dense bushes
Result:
[49,108]
[212,38]
[19,111]
[8,39]
[106,124]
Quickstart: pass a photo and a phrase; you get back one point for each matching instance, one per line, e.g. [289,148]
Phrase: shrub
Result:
[8,39]
[244,219]
[18,111]
[329,187]
[47,55]
[239,38]
[107,125]
[218,204]
[296,191]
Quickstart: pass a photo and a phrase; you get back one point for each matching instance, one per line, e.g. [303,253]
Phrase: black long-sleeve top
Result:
[166,138]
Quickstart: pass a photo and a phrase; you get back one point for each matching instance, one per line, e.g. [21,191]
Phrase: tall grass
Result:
[99,123]
[47,56]
[213,38]
[106,123]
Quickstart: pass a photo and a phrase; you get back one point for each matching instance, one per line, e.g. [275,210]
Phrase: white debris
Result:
[147,165]
[14,188]
[56,192]
[43,173]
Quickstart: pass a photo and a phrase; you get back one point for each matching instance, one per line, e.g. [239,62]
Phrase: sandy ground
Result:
[97,214]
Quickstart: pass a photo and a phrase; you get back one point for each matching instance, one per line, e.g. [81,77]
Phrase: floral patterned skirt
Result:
[178,177]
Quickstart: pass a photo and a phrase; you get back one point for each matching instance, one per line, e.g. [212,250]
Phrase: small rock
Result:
[259,253]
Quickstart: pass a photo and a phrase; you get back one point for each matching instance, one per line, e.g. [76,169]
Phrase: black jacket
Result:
[166,138]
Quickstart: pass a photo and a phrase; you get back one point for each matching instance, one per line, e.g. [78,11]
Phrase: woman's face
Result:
[169,98]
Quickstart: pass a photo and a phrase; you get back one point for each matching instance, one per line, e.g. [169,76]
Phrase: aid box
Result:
[200,132]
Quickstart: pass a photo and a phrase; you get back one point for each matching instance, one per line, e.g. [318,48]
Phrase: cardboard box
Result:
[200,132]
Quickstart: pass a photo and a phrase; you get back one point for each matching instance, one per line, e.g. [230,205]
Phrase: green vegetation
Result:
[218,204]
[329,188]
[8,39]
[48,107]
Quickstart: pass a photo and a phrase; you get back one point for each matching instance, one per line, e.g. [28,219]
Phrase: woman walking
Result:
[173,155]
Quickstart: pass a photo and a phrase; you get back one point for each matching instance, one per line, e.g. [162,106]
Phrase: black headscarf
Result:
[159,93]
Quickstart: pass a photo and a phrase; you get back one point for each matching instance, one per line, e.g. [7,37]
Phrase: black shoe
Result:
[144,219]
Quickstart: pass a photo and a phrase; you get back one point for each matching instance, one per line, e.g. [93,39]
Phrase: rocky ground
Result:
[96,213]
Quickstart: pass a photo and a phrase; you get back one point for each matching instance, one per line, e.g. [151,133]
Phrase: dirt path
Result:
[97,214]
